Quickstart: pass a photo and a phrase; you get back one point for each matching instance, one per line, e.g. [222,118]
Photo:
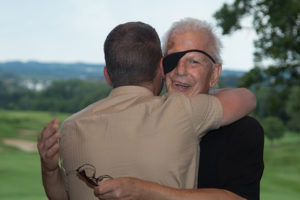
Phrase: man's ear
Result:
[215,75]
[162,68]
[106,75]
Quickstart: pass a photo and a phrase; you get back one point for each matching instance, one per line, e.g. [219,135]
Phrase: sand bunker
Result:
[24,145]
[27,132]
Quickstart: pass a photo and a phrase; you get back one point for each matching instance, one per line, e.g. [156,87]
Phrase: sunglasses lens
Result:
[88,173]
[88,179]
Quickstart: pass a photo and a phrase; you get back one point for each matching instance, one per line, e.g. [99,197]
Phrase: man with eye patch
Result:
[133,132]
[231,157]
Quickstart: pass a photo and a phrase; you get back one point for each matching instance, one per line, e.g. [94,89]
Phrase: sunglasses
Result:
[87,172]
[170,62]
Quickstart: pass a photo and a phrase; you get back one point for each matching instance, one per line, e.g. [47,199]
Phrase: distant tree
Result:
[71,96]
[276,22]
[293,109]
[277,25]
[230,81]
[11,93]
[273,128]
[4,99]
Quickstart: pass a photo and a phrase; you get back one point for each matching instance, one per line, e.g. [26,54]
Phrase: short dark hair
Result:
[132,54]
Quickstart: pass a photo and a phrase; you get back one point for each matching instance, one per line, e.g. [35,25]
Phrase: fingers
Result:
[117,189]
[52,140]
[52,150]
[105,190]
[104,187]
[48,146]
[49,129]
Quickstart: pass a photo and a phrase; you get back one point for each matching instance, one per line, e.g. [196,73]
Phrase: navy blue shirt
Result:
[231,158]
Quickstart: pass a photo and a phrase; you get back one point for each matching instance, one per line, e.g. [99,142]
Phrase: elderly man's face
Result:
[194,73]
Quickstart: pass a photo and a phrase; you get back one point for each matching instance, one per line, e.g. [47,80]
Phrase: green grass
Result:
[281,178]
[25,124]
[20,176]
[20,173]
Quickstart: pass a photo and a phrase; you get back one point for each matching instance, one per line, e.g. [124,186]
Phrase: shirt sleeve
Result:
[206,113]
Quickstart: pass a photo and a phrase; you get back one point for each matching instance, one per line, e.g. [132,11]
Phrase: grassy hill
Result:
[20,176]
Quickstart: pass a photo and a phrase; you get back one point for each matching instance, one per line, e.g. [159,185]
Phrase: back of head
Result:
[132,54]
[195,25]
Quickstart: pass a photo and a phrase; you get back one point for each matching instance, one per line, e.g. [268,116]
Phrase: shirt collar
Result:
[132,89]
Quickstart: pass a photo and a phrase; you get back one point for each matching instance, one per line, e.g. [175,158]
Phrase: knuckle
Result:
[55,126]
[118,194]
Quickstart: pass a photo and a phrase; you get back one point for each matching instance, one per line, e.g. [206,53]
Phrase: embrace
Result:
[190,143]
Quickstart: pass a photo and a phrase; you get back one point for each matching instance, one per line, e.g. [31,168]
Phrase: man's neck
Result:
[149,86]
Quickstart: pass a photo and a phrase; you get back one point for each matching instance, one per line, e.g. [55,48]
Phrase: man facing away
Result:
[231,157]
[133,132]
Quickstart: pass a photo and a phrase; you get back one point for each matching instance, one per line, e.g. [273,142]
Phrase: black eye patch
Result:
[170,61]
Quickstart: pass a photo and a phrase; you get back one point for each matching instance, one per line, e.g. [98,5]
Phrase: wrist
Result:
[47,171]
[151,190]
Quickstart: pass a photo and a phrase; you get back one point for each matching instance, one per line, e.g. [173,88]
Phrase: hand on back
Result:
[48,146]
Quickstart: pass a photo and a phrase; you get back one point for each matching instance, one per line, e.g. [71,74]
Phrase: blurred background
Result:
[51,63]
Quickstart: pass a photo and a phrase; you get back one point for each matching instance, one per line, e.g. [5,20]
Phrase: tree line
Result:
[276,85]
[61,96]
[275,111]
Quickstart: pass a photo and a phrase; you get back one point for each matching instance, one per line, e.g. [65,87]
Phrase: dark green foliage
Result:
[277,25]
[293,109]
[71,96]
[273,128]
[62,96]
[276,22]
[229,81]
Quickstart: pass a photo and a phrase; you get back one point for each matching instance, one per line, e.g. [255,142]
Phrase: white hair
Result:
[194,25]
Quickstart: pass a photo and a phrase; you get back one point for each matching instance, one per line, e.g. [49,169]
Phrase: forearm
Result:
[54,185]
[206,194]
[216,91]
[151,191]
[236,103]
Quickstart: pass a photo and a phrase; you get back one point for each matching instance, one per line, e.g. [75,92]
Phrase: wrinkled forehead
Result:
[171,61]
[181,40]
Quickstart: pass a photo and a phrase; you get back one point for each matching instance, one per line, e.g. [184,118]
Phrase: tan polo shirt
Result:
[133,133]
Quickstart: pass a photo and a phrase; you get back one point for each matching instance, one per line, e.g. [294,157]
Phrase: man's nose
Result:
[181,68]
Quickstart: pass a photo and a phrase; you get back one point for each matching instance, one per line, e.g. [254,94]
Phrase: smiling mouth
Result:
[181,85]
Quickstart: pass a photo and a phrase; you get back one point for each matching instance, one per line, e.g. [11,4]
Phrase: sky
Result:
[70,31]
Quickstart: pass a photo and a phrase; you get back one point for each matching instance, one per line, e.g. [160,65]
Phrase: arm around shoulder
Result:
[236,103]
[54,185]
[137,189]
[48,148]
